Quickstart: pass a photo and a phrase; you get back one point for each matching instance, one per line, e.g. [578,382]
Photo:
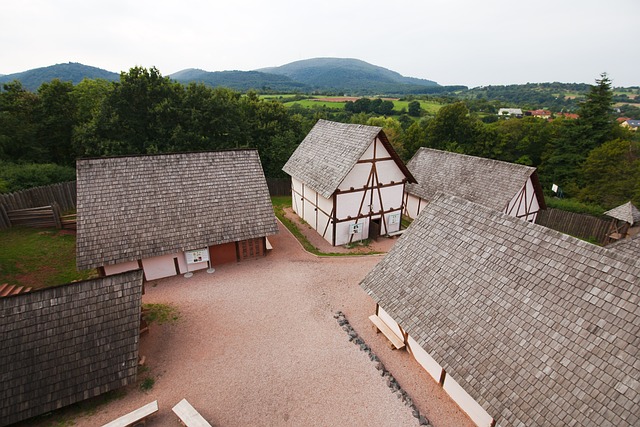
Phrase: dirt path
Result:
[256,344]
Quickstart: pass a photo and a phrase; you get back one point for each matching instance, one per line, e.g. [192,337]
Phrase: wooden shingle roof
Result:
[627,213]
[64,344]
[136,207]
[330,150]
[488,182]
[539,327]
[629,247]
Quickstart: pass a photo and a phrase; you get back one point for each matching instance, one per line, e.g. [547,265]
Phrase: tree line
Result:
[592,159]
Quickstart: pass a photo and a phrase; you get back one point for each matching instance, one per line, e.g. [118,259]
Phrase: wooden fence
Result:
[585,227]
[40,217]
[62,195]
[279,186]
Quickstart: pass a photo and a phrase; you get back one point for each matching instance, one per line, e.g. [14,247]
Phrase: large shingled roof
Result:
[136,207]
[330,150]
[627,212]
[539,327]
[629,246]
[488,182]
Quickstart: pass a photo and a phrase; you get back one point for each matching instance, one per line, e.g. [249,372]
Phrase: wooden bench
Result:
[189,416]
[396,233]
[137,417]
[396,341]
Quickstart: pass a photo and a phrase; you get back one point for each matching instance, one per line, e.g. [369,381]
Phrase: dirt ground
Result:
[256,343]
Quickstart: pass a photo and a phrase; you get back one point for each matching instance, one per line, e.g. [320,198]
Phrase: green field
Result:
[318,101]
[38,258]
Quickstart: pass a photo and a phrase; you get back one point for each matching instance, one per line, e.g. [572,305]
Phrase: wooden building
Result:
[172,213]
[520,324]
[347,182]
[64,344]
[506,187]
[625,222]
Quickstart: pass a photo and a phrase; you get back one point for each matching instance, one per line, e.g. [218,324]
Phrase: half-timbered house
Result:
[347,182]
[506,187]
[172,213]
[520,324]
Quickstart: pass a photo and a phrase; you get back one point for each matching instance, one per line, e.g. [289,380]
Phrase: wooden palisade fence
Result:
[34,203]
[585,227]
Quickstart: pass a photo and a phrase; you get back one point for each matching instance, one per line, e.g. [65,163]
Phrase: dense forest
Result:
[592,159]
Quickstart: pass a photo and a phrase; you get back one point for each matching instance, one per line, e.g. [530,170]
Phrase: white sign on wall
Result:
[356,228]
[393,218]
[196,256]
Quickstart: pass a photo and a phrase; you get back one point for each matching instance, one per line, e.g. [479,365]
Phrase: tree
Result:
[414,109]
[612,174]
[453,129]
[57,111]
[596,122]
[19,125]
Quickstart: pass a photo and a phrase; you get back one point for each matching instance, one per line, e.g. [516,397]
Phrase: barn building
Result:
[347,182]
[68,343]
[520,324]
[172,213]
[506,187]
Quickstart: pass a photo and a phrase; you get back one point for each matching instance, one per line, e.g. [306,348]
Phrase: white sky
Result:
[468,42]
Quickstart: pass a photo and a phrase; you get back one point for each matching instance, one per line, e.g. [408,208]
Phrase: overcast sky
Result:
[468,42]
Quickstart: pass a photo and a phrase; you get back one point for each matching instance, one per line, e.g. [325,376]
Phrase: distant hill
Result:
[326,75]
[70,72]
[351,76]
[241,80]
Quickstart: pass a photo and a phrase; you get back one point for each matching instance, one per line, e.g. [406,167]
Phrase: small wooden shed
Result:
[506,187]
[347,182]
[172,213]
[520,324]
[625,222]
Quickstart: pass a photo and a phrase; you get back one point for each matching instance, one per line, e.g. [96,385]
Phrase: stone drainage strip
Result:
[392,383]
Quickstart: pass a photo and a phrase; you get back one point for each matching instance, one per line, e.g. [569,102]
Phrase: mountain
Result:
[70,72]
[328,75]
[350,75]
[241,80]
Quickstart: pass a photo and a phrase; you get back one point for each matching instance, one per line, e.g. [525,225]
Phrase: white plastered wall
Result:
[517,206]
[467,403]
[296,195]
[392,324]
[120,268]
[164,266]
[413,206]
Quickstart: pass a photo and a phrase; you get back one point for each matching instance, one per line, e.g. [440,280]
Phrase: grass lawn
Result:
[39,258]
[282,202]
[428,106]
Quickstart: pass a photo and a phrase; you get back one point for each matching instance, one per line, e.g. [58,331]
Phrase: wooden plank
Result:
[189,416]
[395,340]
[135,416]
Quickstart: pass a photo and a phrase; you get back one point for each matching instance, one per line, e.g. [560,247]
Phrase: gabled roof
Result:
[68,343]
[136,207]
[330,150]
[629,247]
[538,327]
[488,182]
[627,213]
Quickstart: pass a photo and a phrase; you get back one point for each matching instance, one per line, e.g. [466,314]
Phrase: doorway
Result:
[374,229]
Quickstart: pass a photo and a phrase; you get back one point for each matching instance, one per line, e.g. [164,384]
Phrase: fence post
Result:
[55,211]
[4,218]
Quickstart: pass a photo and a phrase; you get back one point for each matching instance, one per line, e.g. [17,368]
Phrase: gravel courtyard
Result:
[257,344]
